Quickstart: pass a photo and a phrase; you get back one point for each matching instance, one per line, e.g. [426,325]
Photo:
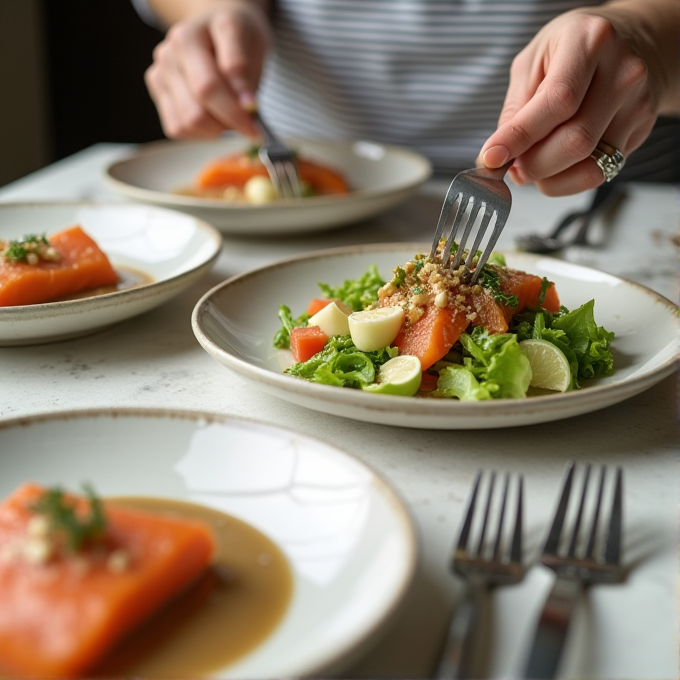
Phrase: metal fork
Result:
[480,571]
[573,570]
[478,195]
[606,197]
[279,161]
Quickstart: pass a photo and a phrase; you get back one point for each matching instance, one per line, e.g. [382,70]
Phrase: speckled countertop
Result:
[153,360]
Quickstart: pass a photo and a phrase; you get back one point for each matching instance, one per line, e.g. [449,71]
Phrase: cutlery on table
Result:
[481,567]
[279,161]
[574,569]
[605,198]
[478,191]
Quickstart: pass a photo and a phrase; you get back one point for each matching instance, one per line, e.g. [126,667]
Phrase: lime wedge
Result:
[400,376]
[549,367]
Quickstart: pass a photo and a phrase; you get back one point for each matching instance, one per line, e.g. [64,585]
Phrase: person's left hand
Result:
[577,82]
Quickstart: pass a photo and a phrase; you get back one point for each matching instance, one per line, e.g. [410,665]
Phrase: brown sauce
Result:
[234,607]
[127,278]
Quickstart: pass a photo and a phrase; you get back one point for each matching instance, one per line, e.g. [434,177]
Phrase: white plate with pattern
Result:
[348,539]
[169,250]
[379,176]
[239,336]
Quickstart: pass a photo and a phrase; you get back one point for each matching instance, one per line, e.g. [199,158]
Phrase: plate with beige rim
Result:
[379,176]
[157,253]
[335,552]
[239,336]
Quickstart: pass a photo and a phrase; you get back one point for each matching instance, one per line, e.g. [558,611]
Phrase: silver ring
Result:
[609,159]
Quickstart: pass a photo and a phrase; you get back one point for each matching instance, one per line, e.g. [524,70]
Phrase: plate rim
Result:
[379,402]
[366,635]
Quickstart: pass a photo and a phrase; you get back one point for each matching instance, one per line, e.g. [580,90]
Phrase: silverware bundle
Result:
[578,561]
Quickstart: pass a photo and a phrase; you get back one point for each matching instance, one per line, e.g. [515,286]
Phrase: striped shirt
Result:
[430,75]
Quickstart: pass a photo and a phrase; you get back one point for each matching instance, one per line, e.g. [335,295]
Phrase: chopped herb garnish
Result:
[65,523]
[490,280]
[399,277]
[545,285]
[30,249]
[417,290]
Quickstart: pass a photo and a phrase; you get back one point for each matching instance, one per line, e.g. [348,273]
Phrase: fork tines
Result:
[505,565]
[279,161]
[282,172]
[476,197]
[575,554]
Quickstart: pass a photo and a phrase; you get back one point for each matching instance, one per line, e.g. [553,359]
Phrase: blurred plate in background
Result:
[380,177]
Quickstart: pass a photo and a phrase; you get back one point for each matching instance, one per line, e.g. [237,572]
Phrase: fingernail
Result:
[496,156]
[247,101]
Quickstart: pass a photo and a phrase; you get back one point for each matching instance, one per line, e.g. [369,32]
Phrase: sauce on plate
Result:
[233,608]
[127,278]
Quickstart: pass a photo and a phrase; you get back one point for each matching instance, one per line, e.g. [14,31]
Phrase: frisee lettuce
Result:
[288,322]
[341,364]
[356,293]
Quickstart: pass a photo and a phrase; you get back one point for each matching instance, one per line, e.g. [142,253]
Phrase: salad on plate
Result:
[428,332]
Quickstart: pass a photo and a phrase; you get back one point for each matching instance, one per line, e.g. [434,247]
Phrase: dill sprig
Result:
[65,523]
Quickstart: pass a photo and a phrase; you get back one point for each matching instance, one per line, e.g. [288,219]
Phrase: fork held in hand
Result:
[480,571]
[477,195]
[573,571]
[279,161]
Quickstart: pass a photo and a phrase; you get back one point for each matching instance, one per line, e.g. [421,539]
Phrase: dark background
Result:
[96,54]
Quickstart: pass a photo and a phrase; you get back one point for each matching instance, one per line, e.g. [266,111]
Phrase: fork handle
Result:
[551,631]
[456,658]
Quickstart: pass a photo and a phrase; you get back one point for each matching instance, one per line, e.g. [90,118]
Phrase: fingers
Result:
[205,74]
[570,89]
[182,116]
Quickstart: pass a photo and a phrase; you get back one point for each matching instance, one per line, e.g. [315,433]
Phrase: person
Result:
[569,89]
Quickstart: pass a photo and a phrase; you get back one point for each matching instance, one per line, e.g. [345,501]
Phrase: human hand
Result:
[206,71]
[579,81]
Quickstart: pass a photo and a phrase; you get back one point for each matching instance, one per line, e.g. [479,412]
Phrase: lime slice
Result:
[400,376]
[549,367]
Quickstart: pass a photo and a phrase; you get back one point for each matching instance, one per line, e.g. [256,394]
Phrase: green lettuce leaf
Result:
[340,363]
[585,344]
[282,337]
[589,342]
[356,293]
[496,363]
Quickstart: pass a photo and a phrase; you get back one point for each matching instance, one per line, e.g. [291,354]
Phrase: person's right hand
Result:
[206,71]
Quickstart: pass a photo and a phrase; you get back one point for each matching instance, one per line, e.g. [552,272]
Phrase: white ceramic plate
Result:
[349,541]
[239,336]
[174,249]
[380,176]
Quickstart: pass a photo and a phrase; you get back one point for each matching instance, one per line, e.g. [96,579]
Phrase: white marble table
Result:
[628,630]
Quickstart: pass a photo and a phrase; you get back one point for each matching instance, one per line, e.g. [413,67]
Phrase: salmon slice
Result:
[235,170]
[83,265]
[433,335]
[527,288]
[60,617]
